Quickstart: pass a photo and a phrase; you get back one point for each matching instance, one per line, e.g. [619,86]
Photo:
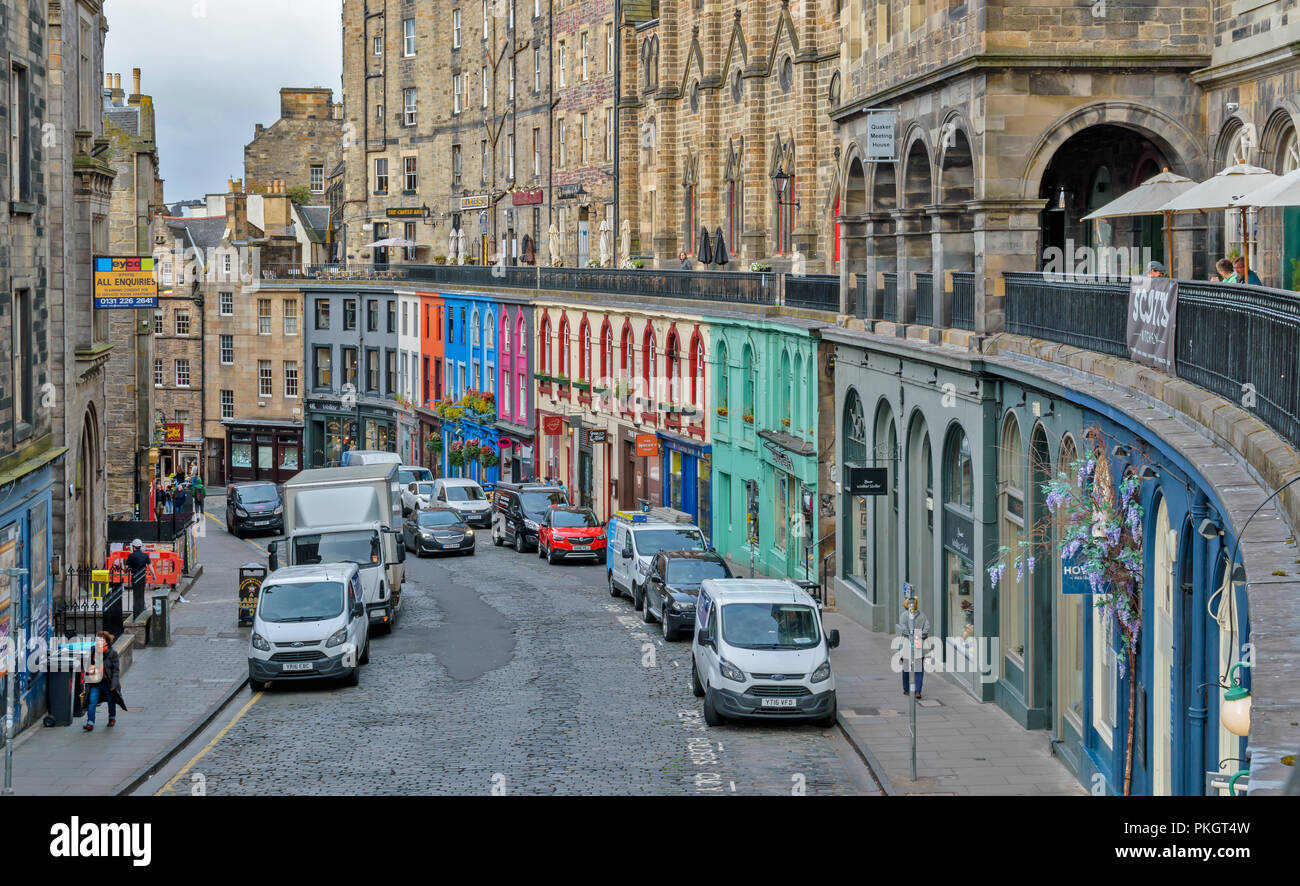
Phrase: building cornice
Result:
[1277,60]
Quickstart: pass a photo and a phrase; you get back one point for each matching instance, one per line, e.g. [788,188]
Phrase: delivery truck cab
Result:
[345,515]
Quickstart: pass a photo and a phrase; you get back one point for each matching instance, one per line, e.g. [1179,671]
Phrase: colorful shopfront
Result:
[262,450]
[687,477]
[25,528]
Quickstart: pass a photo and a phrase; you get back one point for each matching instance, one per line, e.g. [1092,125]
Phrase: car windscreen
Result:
[361,548]
[689,571]
[425,489]
[537,502]
[439,518]
[651,541]
[306,601]
[573,519]
[463,493]
[257,495]
[413,475]
[770,626]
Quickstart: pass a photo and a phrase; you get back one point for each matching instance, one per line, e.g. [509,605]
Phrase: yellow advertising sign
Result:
[125,283]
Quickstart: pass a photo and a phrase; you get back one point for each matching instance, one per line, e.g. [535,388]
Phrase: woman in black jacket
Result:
[105,681]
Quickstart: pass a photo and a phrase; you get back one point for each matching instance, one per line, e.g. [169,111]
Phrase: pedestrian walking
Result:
[104,679]
[200,492]
[159,498]
[912,621]
[178,498]
[137,564]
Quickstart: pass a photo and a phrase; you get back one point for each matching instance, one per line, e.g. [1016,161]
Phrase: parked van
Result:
[310,624]
[369,457]
[465,497]
[760,652]
[635,540]
[519,509]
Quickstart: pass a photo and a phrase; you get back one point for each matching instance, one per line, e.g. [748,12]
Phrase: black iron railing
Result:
[1239,342]
[963,300]
[891,297]
[88,607]
[818,292]
[925,299]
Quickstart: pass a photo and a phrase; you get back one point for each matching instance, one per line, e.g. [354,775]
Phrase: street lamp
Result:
[1234,712]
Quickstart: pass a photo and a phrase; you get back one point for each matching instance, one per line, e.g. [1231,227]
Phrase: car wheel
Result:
[638,598]
[471,551]
[550,557]
[669,633]
[711,715]
[497,540]
[646,615]
[696,689]
[540,550]
[354,678]
[519,542]
[613,588]
[365,652]
[600,559]
[827,722]
[256,686]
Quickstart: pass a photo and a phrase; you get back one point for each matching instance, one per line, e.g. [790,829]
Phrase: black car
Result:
[437,531]
[254,507]
[518,510]
[674,585]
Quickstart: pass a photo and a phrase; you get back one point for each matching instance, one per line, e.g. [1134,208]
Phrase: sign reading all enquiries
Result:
[1152,321]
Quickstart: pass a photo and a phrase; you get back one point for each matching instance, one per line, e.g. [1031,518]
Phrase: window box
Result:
[582,385]
[748,418]
[669,408]
[599,389]
[584,399]
[542,377]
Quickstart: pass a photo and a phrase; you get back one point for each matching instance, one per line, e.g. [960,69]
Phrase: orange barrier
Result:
[165,567]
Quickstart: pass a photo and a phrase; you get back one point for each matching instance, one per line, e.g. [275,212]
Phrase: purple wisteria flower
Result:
[1112,535]
[995,573]
[1068,552]
[1031,564]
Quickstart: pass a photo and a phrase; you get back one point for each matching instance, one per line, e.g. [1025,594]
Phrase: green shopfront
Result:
[765,438]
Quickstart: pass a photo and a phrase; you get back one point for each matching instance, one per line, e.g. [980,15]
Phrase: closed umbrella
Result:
[720,256]
[1222,192]
[1147,199]
[705,252]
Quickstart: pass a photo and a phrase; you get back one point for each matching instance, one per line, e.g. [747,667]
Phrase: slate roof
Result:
[316,221]
[203,233]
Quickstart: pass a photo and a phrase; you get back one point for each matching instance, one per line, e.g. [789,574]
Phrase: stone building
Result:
[994,164]
[79,181]
[28,444]
[724,127]
[448,106]
[137,197]
[301,148]
[581,176]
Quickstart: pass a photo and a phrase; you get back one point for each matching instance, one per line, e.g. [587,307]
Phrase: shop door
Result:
[584,237]
[586,479]
[627,483]
[266,455]
[1164,656]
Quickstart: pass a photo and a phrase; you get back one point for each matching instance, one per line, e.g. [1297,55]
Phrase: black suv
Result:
[252,506]
[674,585]
[518,510]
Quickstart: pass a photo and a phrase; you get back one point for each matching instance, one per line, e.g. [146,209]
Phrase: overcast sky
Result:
[215,69]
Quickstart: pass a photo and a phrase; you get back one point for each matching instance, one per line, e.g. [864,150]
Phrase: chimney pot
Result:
[135,78]
[108,81]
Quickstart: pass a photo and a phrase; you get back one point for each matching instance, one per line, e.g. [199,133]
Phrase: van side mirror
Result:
[358,610]
[704,637]
[833,639]
[273,556]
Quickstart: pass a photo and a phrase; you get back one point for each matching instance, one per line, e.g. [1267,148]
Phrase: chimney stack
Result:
[135,78]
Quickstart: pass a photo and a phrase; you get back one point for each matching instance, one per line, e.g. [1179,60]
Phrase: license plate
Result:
[778,703]
[582,547]
[299,666]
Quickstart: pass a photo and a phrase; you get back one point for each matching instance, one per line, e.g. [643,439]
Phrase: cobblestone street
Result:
[505,674]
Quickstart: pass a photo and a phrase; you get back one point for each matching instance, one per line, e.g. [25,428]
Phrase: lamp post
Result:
[11,682]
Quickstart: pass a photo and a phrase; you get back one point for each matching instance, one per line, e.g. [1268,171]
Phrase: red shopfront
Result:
[269,451]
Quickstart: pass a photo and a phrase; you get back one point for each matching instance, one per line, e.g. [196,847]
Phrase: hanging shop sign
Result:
[552,425]
[526,198]
[882,140]
[125,283]
[959,535]
[865,481]
[594,437]
[647,445]
[1075,577]
[475,201]
[174,432]
[784,461]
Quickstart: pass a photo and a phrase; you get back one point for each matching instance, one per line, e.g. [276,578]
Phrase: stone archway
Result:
[882,243]
[87,486]
[916,278]
[854,201]
[953,240]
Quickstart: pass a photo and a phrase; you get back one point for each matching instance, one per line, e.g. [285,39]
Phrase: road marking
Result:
[210,745]
[222,524]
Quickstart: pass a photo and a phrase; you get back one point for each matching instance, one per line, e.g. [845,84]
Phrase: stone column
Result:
[913,256]
[853,262]
[882,256]
[953,248]
[1006,237]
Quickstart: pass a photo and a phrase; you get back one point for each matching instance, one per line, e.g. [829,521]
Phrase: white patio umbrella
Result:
[1147,199]
[393,243]
[1222,192]
[1283,191]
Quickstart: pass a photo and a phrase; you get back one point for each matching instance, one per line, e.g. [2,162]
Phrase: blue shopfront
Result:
[26,600]
[687,474]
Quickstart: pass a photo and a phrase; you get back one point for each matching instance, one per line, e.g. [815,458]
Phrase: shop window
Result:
[1011,590]
[857,547]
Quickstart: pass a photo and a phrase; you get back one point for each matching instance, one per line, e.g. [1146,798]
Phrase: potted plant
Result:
[593,263]
[785,422]
[487,457]
[748,418]
[760,265]
[582,384]
[440,259]
[722,411]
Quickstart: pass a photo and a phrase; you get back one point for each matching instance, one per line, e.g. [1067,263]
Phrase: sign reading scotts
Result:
[1152,320]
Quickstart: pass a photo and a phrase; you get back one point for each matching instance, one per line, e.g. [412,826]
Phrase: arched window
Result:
[697,372]
[584,369]
[959,479]
[784,390]
[723,373]
[747,379]
[520,341]
[673,361]
[606,353]
[626,358]
[1011,508]
[506,348]
[473,329]
[857,535]
[562,357]
[489,333]
[546,344]
[649,367]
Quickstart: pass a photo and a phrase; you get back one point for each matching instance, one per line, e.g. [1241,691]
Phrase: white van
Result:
[760,653]
[310,623]
[633,541]
[466,498]
[369,457]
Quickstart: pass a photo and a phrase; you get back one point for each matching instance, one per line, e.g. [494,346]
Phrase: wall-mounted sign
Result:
[1075,578]
[526,198]
[959,535]
[475,201]
[594,437]
[125,283]
[1152,320]
[174,432]
[647,445]
[780,456]
[882,140]
[865,481]
[552,425]
[408,212]
[570,192]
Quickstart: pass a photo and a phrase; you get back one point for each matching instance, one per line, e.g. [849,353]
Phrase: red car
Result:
[570,533]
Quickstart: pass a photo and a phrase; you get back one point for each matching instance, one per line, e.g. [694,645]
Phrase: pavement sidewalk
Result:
[172,692]
[964,747]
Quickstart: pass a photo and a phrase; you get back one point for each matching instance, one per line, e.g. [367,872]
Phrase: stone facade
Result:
[137,197]
[301,148]
[716,101]
[984,148]
[80,189]
[455,153]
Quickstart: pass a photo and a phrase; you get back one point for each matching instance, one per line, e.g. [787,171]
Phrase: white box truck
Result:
[347,515]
